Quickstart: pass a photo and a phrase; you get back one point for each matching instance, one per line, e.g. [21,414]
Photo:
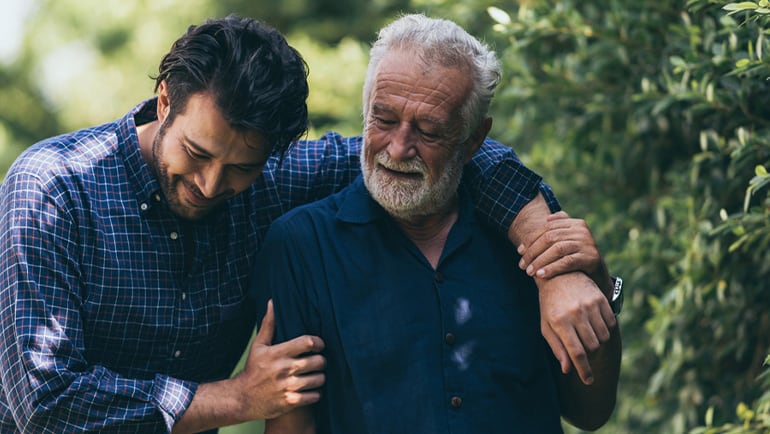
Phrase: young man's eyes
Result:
[247,169]
[195,155]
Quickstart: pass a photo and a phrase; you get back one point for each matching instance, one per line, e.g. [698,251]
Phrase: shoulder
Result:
[310,217]
[67,154]
[330,145]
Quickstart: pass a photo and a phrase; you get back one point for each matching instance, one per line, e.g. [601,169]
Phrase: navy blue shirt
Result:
[457,349]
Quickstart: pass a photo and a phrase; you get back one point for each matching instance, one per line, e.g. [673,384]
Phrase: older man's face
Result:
[413,146]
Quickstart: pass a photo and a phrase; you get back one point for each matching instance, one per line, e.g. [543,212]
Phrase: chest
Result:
[153,284]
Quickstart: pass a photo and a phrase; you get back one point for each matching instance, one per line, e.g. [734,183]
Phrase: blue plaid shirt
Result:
[113,309]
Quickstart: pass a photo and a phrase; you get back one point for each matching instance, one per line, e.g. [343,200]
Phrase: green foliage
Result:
[649,118]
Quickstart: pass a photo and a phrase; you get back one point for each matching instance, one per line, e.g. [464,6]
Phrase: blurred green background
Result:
[650,120]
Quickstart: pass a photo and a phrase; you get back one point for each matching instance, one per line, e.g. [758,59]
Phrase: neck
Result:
[429,232]
[146,134]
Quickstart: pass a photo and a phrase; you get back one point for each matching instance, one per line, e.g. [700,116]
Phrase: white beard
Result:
[409,198]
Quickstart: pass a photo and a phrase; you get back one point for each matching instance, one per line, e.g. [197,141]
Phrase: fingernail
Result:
[540,273]
[530,269]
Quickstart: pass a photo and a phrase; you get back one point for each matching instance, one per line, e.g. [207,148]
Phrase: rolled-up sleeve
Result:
[501,185]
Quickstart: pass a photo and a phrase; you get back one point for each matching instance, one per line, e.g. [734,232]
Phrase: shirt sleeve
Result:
[501,185]
[48,383]
[282,273]
[499,182]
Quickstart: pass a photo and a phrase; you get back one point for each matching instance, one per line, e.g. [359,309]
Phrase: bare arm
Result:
[575,314]
[299,421]
[276,379]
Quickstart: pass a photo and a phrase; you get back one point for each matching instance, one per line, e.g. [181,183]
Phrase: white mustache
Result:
[413,165]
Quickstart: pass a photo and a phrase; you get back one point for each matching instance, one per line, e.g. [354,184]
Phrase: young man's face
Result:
[413,146]
[200,160]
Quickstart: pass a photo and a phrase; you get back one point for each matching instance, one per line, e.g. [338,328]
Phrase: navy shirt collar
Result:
[358,207]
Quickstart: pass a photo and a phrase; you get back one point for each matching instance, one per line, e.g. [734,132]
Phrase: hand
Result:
[575,314]
[575,318]
[282,377]
[565,245]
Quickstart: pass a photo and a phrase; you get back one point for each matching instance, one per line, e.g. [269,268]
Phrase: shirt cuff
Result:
[172,396]
[550,198]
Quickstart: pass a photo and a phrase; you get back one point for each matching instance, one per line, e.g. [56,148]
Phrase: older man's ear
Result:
[477,138]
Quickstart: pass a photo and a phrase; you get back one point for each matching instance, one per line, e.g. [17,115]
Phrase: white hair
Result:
[444,43]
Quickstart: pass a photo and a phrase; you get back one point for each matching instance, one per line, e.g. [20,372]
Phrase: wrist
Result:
[601,276]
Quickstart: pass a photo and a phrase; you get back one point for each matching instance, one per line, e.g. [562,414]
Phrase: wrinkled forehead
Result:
[402,74]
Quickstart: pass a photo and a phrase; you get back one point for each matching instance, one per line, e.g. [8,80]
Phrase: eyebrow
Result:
[190,142]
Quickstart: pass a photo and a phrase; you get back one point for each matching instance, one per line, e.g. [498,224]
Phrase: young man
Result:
[426,327]
[125,248]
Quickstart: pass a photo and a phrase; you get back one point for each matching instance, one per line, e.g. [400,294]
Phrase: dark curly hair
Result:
[258,81]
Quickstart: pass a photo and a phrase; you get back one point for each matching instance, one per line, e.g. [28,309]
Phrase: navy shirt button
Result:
[439,277]
[449,338]
[456,401]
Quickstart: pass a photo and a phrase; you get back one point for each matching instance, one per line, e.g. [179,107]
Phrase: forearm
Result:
[214,405]
[529,222]
[589,407]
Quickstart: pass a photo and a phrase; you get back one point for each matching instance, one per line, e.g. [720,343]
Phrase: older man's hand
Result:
[575,313]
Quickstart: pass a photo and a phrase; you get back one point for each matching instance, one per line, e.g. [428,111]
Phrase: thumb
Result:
[267,328]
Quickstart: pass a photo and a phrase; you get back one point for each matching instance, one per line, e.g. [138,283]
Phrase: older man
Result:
[427,328]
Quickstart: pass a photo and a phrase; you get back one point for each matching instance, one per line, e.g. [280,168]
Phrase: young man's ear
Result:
[477,138]
[164,104]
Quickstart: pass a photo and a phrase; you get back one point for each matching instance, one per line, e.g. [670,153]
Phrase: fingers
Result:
[299,399]
[303,388]
[556,347]
[278,378]
[566,245]
[267,328]
[553,263]
[580,360]
[300,383]
[300,345]
[576,319]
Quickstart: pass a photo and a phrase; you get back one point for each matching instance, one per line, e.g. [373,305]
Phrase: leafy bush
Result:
[651,119]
